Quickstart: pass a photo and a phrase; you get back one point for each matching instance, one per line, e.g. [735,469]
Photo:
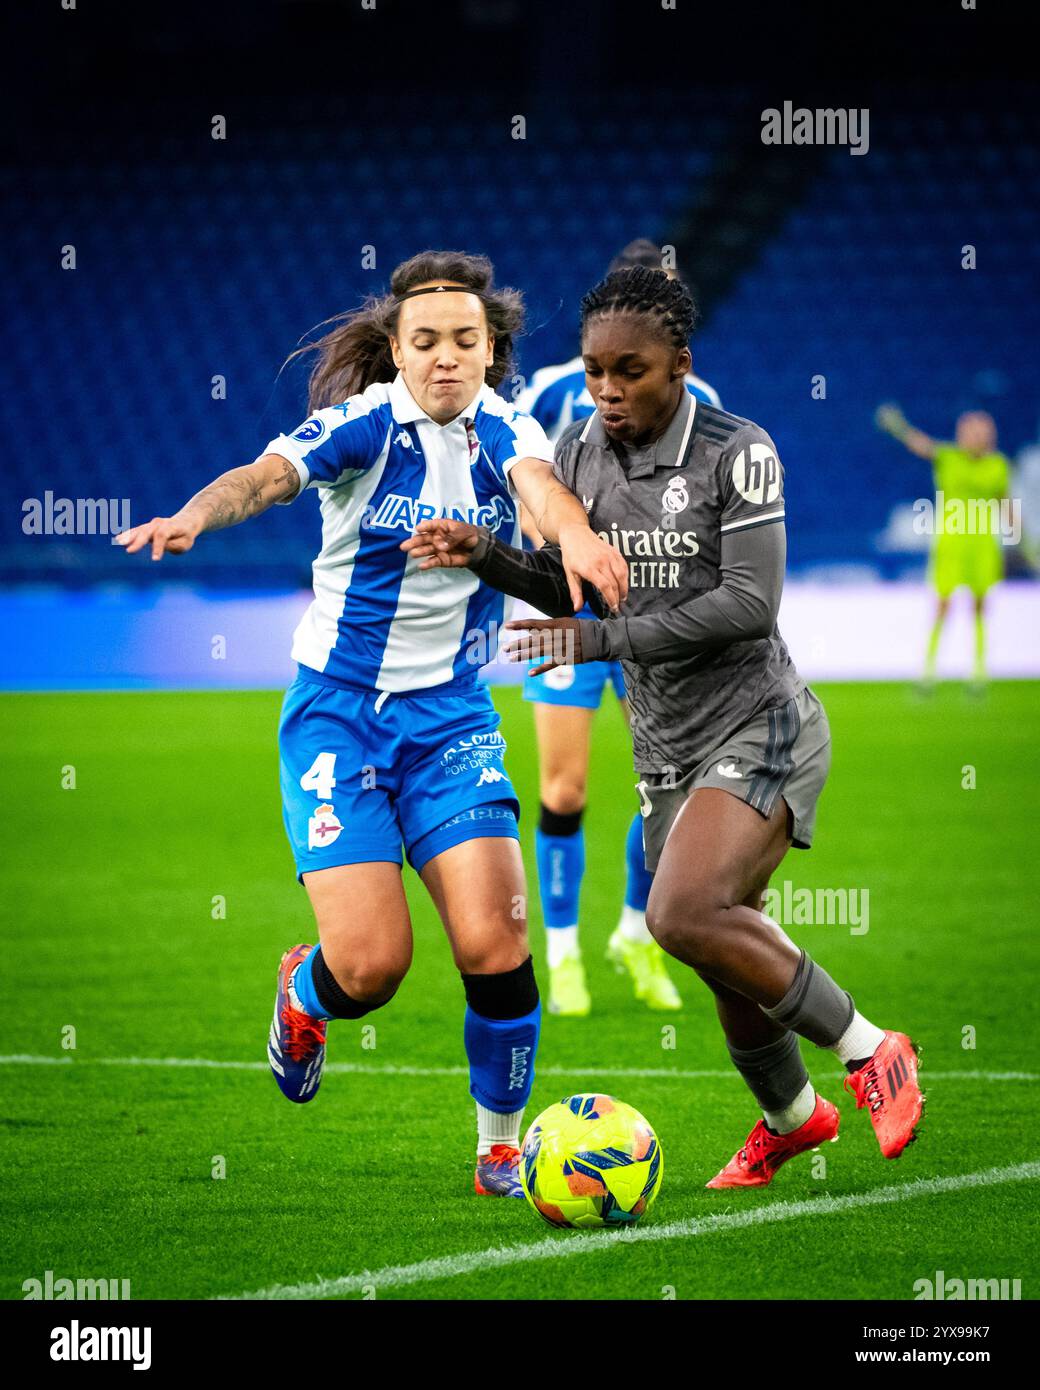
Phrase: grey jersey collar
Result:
[667,452]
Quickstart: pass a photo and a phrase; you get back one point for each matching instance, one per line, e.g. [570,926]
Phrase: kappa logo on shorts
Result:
[323,828]
[729,770]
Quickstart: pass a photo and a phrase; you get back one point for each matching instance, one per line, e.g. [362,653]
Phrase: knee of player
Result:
[686,922]
[499,954]
[371,979]
[563,794]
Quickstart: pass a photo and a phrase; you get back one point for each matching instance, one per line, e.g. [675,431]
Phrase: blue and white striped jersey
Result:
[557,396]
[381,466]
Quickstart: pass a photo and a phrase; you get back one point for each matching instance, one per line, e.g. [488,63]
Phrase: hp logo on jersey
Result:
[756,473]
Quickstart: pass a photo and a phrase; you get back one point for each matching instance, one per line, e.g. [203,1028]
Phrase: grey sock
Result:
[814,1006]
[775,1073]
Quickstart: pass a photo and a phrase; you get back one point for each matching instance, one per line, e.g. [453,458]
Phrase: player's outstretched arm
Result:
[537,576]
[233,497]
[560,518]
[742,608]
[891,420]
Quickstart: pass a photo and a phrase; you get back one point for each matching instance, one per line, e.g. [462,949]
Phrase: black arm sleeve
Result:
[743,607]
[536,576]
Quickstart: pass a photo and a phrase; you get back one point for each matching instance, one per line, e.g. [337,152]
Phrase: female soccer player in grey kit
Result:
[731,745]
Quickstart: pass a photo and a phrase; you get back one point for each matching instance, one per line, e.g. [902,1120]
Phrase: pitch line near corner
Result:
[581,1243]
[391,1069]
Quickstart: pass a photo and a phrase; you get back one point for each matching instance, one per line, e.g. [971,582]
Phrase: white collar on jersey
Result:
[407,410]
[667,452]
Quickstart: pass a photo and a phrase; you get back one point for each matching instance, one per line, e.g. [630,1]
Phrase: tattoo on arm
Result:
[241,493]
[288,481]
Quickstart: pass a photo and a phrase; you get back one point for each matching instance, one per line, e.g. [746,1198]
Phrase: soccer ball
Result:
[590,1161]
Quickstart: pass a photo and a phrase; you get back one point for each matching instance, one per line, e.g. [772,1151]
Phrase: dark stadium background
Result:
[135,815]
[346,128]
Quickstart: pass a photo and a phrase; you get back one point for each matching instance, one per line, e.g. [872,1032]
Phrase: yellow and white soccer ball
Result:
[591,1161]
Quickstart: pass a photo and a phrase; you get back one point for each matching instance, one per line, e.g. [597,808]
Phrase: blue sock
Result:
[303,984]
[637,888]
[501,1056]
[560,854]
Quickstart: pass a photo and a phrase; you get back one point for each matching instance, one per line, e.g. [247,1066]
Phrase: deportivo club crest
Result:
[323,827]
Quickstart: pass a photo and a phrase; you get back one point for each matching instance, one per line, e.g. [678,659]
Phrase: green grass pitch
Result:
[109,930]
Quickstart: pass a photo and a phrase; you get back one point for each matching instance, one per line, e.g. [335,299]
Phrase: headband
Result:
[437,289]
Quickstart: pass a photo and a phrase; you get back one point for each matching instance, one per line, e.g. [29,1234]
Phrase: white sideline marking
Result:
[388,1069]
[580,1243]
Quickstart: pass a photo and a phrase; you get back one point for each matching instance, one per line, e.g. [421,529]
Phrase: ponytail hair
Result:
[356,351]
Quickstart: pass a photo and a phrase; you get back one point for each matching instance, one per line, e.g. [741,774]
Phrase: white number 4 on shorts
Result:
[320,777]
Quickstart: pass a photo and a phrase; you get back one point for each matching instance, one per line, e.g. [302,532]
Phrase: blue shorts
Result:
[362,771]
[581,686]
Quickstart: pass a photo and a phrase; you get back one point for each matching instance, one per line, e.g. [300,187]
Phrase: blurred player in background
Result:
[732,747]
[386,735]
[566,700]
[973,476]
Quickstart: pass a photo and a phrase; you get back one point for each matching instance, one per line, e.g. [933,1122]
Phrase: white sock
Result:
[860,1039]
[294,998]
[561,942]
[632,925]
[493,1128]
[795,1114]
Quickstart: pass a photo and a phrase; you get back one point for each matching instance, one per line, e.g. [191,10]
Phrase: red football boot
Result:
[888,1085]
[496,1174]
[756,1163]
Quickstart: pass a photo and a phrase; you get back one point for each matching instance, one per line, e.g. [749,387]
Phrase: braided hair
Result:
[640,290]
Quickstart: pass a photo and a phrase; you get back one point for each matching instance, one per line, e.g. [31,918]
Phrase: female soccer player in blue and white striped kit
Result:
[386,736]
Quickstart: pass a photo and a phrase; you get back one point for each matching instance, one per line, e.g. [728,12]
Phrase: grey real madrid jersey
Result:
[668,508]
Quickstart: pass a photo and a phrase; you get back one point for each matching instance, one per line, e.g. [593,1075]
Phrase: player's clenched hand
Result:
[162,533]
[554,641]
[442,544]
[587,557]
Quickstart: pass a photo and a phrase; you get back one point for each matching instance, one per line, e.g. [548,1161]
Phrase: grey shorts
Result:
[781,752]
